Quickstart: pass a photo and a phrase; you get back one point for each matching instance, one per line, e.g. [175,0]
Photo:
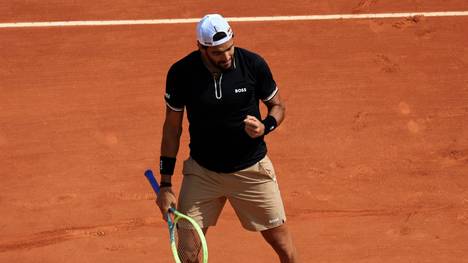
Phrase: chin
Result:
[225,66]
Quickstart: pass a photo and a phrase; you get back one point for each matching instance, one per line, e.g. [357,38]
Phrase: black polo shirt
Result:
[216,108]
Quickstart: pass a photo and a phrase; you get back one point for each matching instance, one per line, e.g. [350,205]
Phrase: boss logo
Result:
[240,90]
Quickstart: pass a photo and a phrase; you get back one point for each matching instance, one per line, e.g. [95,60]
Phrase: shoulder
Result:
[251,58]
[186,63]
[248,55]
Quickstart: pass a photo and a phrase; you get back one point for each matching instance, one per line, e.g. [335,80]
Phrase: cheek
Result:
[214,58]
[220,59]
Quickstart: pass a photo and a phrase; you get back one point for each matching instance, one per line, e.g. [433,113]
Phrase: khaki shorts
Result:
[252,192]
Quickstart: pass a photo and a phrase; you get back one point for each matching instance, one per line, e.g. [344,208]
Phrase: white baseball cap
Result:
[213,30]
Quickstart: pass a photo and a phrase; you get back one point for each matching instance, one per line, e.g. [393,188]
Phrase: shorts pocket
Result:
[190,167]
[266,168]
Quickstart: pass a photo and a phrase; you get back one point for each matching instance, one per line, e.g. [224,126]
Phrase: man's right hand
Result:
[166,199]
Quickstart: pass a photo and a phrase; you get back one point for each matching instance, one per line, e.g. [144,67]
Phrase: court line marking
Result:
[232,19]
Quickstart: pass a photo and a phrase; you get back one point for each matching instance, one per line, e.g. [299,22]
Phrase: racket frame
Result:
[172,224]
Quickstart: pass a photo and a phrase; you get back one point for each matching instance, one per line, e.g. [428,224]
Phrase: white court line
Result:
[233,19]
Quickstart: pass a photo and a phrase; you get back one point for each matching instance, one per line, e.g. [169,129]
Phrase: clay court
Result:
[372,158]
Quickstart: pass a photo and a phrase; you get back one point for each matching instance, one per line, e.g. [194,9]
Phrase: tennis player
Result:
[220,86]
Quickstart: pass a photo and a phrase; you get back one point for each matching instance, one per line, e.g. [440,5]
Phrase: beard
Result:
[221,65]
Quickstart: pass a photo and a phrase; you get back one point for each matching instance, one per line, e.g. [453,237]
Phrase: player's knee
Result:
[281,242]
[285,250]
[282,245]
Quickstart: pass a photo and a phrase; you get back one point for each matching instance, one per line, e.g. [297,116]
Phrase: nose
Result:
[227,56]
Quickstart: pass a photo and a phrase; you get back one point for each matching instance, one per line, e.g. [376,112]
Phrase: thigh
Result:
[199,196]
[256,198]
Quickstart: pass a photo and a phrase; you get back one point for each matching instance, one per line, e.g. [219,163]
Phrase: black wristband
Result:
[270,124]
[165,184]
[166,165]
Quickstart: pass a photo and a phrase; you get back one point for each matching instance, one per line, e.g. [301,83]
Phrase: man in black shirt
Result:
[220,86]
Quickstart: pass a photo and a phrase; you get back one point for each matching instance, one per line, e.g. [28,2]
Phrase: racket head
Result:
[188,243]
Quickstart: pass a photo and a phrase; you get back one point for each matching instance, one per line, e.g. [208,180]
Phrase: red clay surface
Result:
[59,10]
[372,158]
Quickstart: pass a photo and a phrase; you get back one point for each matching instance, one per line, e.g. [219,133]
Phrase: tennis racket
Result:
[188,243]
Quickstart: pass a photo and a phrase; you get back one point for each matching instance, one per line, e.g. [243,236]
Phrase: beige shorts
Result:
[253,193]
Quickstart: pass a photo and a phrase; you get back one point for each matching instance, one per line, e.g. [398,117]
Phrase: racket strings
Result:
[188,243]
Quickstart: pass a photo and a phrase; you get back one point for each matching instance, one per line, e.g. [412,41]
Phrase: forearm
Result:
[169,148]
[278,112]
[170,145]
[170,141]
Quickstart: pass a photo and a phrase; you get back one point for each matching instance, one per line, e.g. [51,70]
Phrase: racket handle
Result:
[149,175]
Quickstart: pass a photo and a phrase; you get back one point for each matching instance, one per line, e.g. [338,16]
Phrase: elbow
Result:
[171,130]
[179,132]
[282,108]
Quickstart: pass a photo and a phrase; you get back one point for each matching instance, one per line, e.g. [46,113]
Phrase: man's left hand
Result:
[253,126]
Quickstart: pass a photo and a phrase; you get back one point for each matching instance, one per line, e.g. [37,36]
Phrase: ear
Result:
[200,46]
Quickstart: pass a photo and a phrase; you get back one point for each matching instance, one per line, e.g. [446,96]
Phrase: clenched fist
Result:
[253,126]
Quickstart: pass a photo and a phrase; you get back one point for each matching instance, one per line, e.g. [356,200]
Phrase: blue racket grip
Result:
[149,175]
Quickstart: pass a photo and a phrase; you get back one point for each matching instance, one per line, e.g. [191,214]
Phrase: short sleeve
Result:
[266,86]
[174,88]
